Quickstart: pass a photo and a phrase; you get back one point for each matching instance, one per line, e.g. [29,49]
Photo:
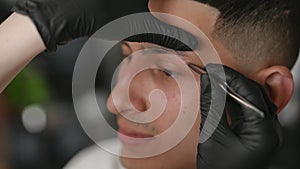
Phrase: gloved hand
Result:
[251,139]
[59,21]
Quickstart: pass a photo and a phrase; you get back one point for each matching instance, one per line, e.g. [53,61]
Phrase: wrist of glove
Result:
[59,21]
[251,139]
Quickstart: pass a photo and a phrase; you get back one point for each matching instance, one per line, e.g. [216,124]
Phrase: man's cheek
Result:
[171,111]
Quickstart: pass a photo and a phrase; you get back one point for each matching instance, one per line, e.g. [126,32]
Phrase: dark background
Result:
[63,136]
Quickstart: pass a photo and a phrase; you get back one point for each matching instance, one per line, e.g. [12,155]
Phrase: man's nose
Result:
[130,95]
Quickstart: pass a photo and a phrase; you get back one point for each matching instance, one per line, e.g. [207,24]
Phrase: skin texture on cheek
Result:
[172,109]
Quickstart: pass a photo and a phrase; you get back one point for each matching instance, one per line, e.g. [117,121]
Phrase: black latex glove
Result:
[250,140]
[59,21]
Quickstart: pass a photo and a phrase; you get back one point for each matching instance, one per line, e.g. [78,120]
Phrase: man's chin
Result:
[134,152]
[138,163]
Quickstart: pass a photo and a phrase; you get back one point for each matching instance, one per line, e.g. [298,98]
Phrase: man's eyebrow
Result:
[167,41]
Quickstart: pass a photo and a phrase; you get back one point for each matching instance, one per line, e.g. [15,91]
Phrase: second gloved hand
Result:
[251,139]
[59,21]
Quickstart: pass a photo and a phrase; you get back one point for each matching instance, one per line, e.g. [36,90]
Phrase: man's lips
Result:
[130,129]
[131,138]
[131,135]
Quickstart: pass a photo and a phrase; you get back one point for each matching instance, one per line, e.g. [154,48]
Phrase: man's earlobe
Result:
[279,83]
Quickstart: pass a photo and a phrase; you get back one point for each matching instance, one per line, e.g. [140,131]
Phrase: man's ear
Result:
[279,83]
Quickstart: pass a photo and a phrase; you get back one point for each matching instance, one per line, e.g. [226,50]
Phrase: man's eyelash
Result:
[167,72]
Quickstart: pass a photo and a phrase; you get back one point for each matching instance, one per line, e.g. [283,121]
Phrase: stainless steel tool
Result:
[238,98]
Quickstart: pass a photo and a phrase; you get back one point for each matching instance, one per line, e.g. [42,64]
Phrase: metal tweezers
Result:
[228,90]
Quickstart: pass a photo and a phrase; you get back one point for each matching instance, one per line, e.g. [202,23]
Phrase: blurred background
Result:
[39,128]
[38,124]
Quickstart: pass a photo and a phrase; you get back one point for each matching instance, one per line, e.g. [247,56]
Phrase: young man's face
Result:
[166,69]
[142,85]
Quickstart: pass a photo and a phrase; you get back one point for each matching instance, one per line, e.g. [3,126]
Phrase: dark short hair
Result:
[259,29]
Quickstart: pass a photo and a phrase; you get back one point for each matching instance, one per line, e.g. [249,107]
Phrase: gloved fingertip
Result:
[213,66]
[204,82]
